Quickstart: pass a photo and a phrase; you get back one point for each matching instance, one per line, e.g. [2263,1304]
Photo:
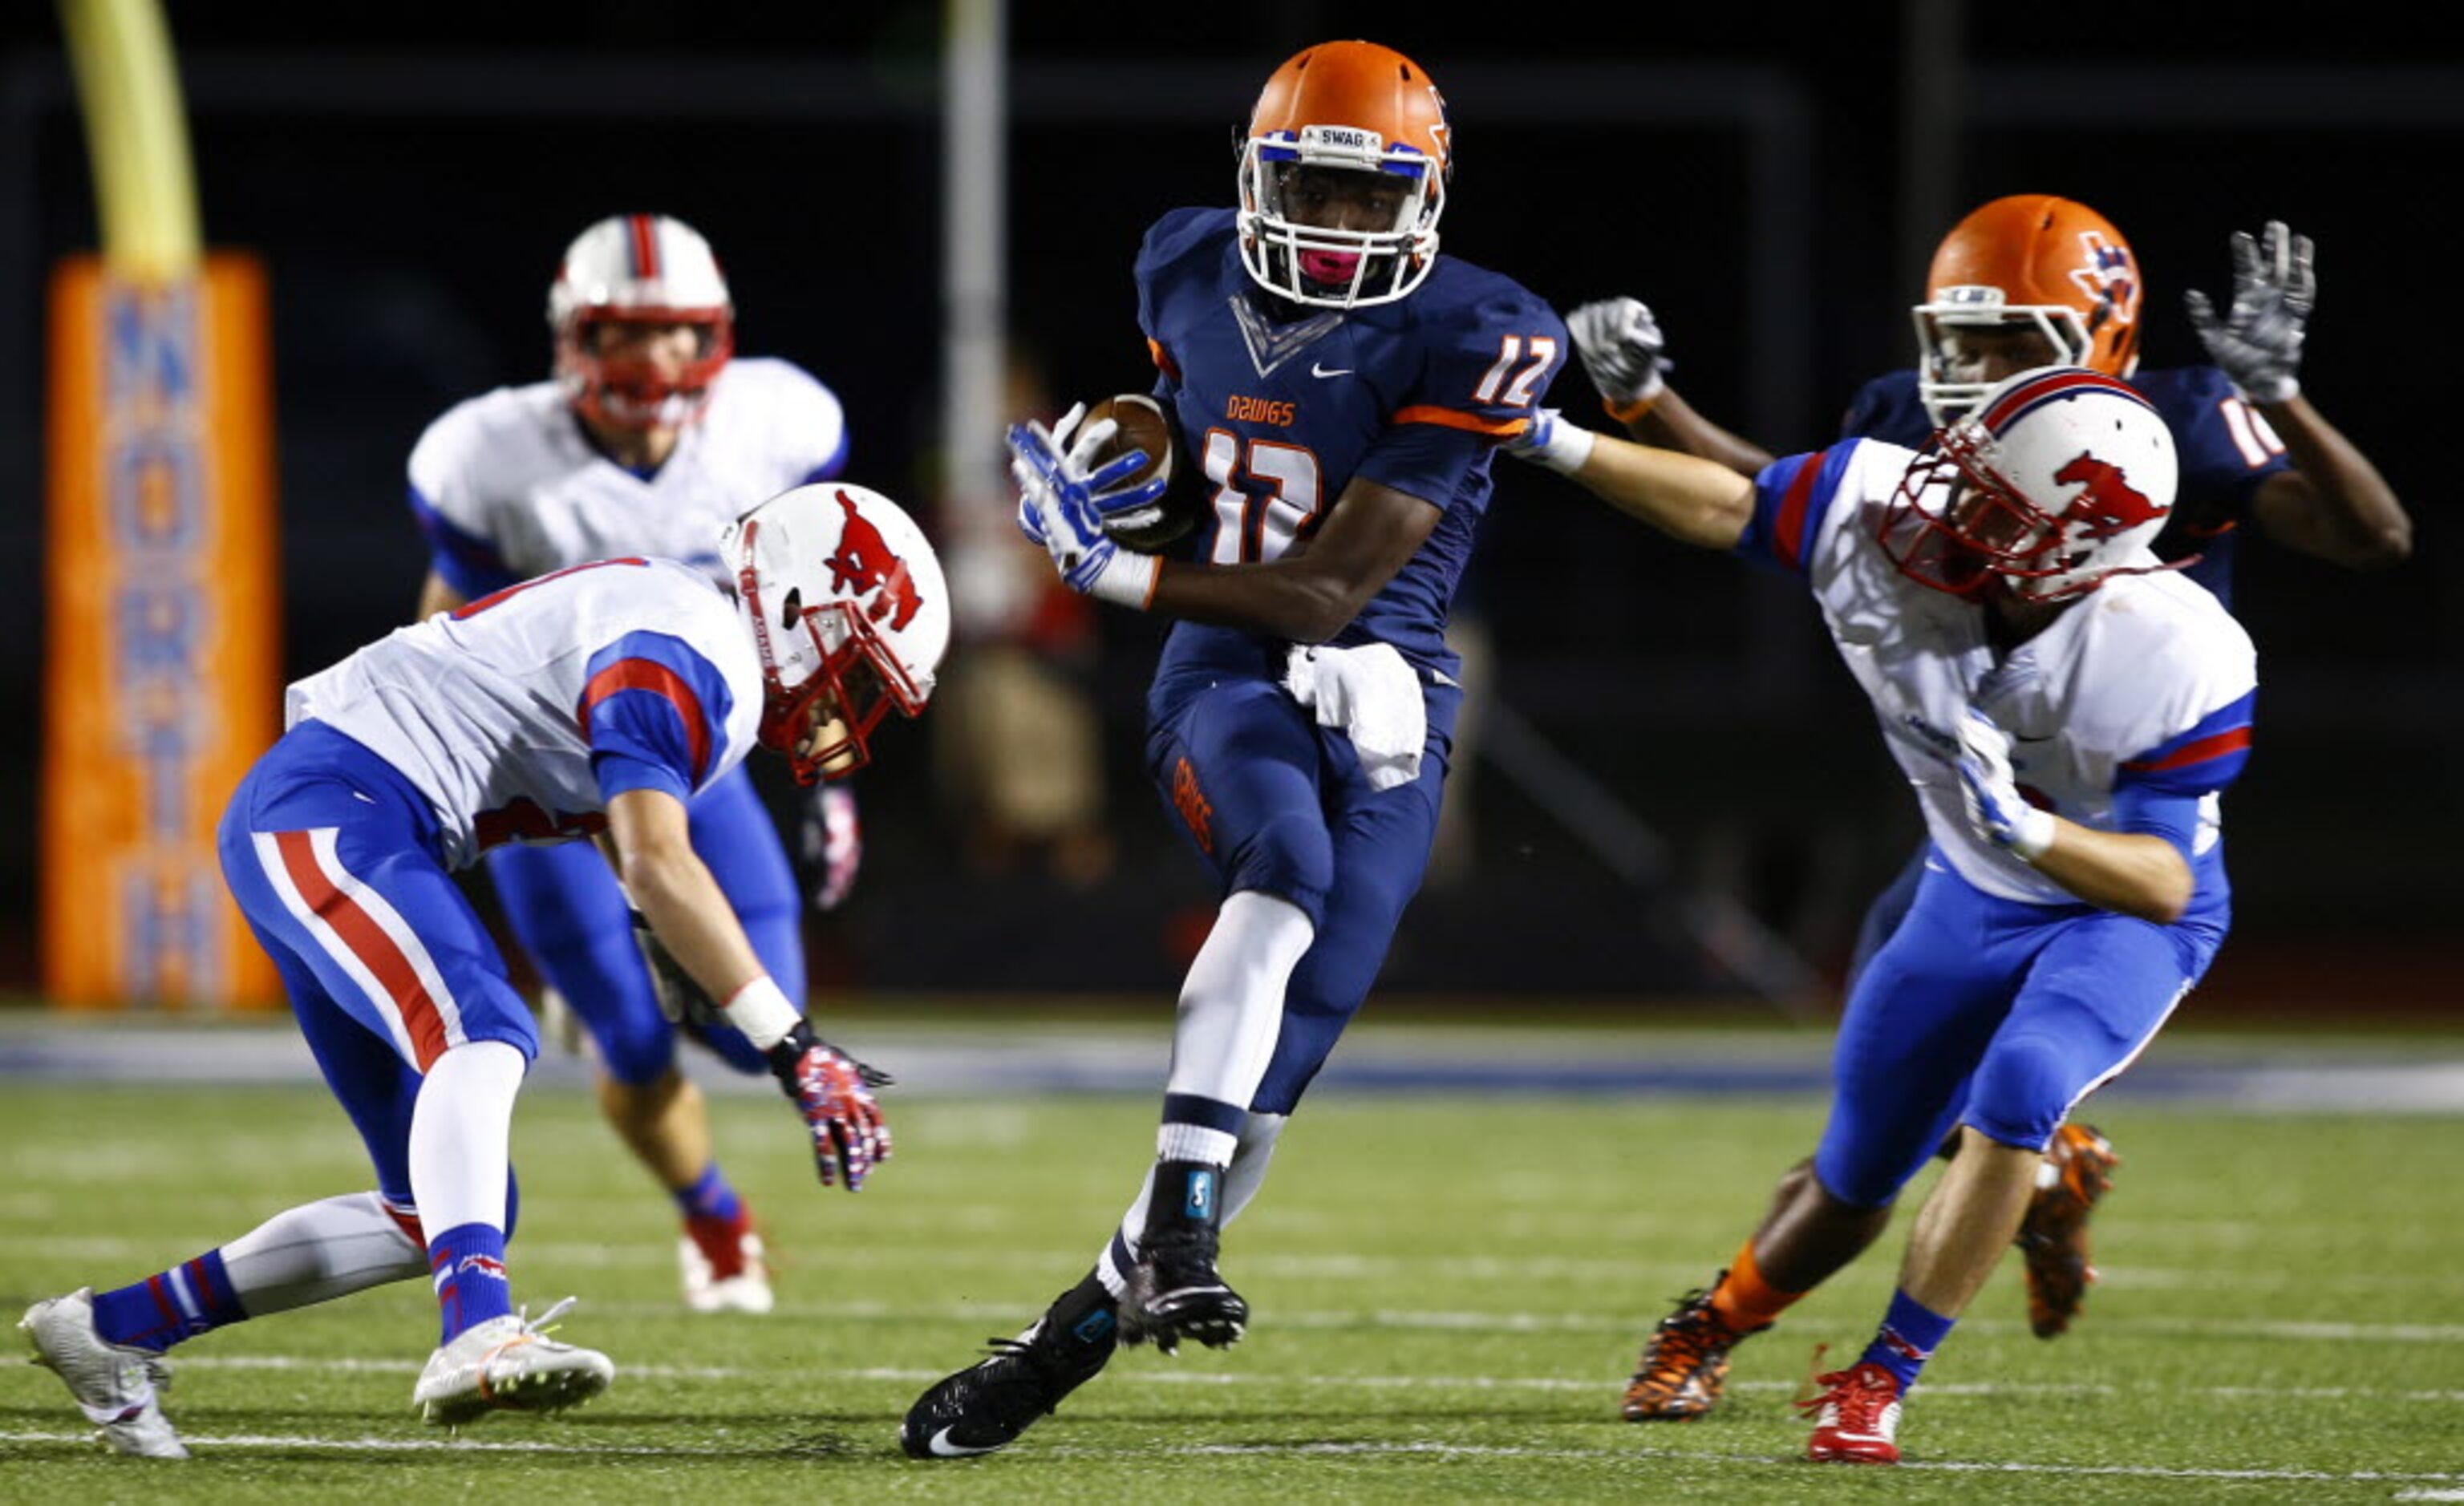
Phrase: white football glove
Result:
[2257,343]
[1624,352]
[1997,811]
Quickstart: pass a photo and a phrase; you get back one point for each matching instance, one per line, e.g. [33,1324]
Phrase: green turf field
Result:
[1448,1296]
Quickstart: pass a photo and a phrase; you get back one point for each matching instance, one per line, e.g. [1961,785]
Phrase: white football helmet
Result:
[1352,107]
[845,598]
[2060,478]
[646,269]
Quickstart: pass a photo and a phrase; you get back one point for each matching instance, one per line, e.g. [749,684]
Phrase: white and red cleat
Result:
[1855,1418]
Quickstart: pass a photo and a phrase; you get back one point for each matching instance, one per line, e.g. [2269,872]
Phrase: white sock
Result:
[1232,1002]
[1241,1183]
[461,1136]
[1248,1170]
[320,1251]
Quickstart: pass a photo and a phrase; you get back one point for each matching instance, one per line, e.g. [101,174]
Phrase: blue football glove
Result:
[1997,809]
[1062,497]
[2257,343]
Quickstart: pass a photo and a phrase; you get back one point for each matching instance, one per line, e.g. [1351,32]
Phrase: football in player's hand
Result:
[1142,425]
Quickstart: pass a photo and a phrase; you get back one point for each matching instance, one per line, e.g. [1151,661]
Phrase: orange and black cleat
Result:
[2053,1238]
[1684,1365]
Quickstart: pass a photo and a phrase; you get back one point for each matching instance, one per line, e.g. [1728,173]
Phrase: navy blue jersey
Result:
[2225,450]
[1279,407]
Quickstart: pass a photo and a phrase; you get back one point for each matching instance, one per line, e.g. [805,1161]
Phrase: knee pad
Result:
[2022,1090]
[636,1046]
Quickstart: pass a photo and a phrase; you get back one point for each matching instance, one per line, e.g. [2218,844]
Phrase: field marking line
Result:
[1300,1449]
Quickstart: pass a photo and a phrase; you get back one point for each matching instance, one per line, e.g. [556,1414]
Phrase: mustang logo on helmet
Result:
[865,562]
[2108,503]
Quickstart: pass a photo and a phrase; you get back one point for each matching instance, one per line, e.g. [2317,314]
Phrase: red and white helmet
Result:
[1353,107]
[647,268]
[845,598]
[2034,261]
[2060,478]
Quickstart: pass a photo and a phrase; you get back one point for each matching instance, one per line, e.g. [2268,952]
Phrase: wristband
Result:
[1567,448]
[2032,834]
[1127,579]
[1629,412]
[761,1012]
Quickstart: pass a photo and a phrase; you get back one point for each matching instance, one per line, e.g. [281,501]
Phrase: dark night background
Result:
[411,183]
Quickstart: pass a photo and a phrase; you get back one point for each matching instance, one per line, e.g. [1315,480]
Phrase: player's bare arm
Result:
[1623,353]
[2333,504]
[435,596]
[650,840]
[1312,591]
[1691,499]
[2127,872]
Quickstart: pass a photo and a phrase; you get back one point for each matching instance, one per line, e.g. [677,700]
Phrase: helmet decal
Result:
[866,563]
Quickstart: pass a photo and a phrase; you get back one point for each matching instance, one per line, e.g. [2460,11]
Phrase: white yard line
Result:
[1140,1377]
[1270,1450]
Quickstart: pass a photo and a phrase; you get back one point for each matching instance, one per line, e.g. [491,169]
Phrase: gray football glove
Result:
[1622,349]
[2258,342]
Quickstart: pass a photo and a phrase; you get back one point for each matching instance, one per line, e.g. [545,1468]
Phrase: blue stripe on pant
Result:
[316,779]
[1286,811]
[2000,1015]
[566,910]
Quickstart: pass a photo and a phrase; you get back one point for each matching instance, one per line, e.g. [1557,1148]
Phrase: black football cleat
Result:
[1176,1294]
[1173,1291]
[986,1406]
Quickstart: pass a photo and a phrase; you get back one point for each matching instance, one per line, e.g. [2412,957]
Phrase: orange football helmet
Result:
[2027,260]
[1347,107]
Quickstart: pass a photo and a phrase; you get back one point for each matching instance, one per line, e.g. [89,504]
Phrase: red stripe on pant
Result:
[368,942]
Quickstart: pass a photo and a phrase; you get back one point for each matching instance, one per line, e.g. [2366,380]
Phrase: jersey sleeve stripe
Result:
[2207,756]
[645,675]
[467,561]
[1455,418]
[1788,513]
[1163,361]
[2188,753]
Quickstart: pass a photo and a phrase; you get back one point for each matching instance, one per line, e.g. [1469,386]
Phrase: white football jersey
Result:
[522,491]
[2125,676]
[495,712]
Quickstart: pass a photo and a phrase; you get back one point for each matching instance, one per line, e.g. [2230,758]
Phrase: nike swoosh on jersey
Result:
[941,1447]
[1316,370]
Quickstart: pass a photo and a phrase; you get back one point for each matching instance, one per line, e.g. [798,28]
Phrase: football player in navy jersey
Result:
[2026,281]
[1341,389]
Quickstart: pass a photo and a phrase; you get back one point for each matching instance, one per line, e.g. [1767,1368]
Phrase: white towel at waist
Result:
[1373,694]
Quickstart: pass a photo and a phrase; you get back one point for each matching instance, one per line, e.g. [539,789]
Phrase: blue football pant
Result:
[332,856]
[568,912]
[1276,803]
[1999,1015]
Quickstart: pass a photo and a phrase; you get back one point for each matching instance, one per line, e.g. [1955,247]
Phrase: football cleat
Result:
[986,1406]
[508,1365]
[2053,1236]
[1856,1416]
[1174,1293]
[1684,1365]
[723,1267]
[116,1387]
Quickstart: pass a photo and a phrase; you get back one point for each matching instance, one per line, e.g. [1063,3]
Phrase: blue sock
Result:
[468,1265]
[710,1197]
[170,1306]
[1909,1335]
